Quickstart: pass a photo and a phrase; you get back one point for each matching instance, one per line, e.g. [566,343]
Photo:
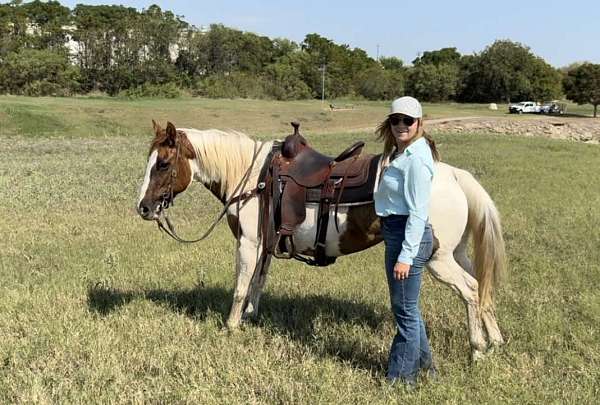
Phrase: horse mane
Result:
[223,156]
[161,137]
[158,141]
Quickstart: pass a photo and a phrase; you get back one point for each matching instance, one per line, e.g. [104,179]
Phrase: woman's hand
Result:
[401,271]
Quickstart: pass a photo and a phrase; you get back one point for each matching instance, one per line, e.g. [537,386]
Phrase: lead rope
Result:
[170,229]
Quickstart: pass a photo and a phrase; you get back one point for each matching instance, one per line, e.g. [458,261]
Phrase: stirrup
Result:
[289,247]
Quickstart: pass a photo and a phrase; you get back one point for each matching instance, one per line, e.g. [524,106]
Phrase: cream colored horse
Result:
[460,208]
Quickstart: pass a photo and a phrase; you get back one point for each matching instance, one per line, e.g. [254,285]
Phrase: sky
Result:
[560,31]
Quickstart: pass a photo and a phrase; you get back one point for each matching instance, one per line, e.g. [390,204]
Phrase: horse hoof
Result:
[249,313]
[477,355]
[498,342]
[232,325]
[495,345]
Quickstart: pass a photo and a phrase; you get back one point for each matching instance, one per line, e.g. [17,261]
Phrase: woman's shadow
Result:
[309,320]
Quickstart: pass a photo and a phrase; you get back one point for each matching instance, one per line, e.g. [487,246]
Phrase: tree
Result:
[283,47]
[35,72]
[376,83]
[433,83]
[444,56]
[284,80]
[255,52]
[391,63]
[507,71]
[343,66]
[48,20]
[13,27]
[468,80]
[571,66]
[546,82]
[321,52]
[582,85]
[109,47]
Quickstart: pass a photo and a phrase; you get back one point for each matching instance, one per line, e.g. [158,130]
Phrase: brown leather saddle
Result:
[298,174]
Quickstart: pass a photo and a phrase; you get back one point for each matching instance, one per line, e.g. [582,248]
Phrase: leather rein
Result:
[167,199]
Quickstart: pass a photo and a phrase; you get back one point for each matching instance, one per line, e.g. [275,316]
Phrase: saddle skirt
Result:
[358,178]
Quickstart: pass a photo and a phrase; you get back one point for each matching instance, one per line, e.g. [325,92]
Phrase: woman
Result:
[402,203]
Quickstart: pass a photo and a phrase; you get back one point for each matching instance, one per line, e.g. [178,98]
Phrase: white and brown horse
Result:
[460,208]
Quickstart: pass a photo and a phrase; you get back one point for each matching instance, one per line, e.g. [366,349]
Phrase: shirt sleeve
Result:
[417,193]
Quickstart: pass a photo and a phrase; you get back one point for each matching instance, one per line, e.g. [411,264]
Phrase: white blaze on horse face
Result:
[146,183]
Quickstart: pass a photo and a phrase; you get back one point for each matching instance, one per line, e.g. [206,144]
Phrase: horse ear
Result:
[156,127]
[171,134]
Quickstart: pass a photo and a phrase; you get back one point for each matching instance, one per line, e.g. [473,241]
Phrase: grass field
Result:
[96,306]
[106,117]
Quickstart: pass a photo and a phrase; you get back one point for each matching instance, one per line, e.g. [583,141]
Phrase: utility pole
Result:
[322,69]
[377,52]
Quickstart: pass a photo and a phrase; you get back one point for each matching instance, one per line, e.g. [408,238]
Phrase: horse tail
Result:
[488,243]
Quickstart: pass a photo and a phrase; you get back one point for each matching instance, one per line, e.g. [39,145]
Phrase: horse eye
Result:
[162,165]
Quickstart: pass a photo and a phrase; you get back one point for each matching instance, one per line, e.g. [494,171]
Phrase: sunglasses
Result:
[408,121]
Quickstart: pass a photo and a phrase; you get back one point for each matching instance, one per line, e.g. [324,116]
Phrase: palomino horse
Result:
[460,208]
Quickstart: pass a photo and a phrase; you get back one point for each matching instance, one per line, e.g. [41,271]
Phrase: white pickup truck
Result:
[524,107]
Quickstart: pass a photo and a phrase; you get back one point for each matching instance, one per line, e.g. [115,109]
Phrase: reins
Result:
[169,229]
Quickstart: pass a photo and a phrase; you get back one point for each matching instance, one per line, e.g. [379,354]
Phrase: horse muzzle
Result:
[149,211]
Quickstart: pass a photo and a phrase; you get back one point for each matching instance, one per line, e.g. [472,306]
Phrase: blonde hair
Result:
[223,156]
[384,133]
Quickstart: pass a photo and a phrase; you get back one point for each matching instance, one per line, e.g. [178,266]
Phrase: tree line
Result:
[49,49]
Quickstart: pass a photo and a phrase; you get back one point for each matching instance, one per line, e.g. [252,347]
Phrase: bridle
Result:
[168,197]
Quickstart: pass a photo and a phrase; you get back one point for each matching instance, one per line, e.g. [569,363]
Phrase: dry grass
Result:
[96,306]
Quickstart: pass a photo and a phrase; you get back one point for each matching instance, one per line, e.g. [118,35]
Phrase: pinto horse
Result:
[460,209]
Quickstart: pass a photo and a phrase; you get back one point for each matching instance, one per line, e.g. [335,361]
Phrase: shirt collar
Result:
[415,146]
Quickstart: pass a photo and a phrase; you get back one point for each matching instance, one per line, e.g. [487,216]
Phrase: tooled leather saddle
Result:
[297,175]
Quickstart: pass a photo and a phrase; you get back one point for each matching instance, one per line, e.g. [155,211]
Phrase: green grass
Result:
[96,306]
[112,117]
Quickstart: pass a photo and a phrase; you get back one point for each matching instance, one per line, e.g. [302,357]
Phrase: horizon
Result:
[464,26]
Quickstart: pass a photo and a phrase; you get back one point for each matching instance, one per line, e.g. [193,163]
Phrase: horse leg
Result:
[256,288]
[491,325]
[246,264]
[460,255]
[487,315]
[445,269]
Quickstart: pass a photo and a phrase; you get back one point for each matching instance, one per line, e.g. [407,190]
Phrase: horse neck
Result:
[222,159]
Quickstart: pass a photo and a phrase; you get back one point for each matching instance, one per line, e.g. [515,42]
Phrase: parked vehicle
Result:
[553,108]
[524,107]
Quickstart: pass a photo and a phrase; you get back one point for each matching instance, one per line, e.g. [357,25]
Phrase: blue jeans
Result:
[410,348]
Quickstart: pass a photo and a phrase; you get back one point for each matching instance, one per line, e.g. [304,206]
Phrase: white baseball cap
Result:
[408,106]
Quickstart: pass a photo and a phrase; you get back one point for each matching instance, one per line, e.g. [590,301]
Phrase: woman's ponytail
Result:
[434,151]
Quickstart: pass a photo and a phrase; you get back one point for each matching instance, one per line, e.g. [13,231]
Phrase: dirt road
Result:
[573,128]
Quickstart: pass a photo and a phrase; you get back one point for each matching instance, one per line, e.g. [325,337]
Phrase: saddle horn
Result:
[294,143]
[296,126]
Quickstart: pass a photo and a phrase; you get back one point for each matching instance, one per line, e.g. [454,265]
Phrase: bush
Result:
[167,90]
[44,88]
[233,85]
[38,73]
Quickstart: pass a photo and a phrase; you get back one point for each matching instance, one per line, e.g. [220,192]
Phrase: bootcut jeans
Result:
[410,350]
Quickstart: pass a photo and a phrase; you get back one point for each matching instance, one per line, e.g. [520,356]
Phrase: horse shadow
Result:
[312,320]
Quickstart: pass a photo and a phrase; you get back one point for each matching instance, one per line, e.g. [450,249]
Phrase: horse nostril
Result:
[143,210]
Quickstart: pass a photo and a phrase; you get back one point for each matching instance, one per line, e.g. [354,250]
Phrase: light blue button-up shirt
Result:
[405,189]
